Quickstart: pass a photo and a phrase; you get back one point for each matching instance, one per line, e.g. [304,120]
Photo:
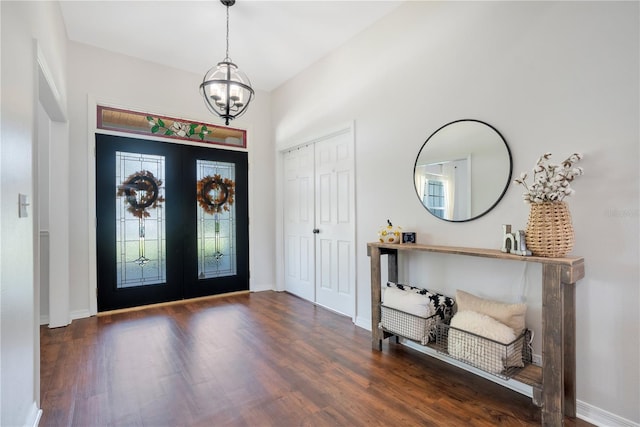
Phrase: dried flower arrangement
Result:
[551,182]
[142,191]
[223,193]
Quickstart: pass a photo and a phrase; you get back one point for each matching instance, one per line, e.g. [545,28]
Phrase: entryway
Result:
[172,221]
[319,222]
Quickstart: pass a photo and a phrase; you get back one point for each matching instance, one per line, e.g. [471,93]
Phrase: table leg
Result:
[569,349]
[552,346]
[376,338]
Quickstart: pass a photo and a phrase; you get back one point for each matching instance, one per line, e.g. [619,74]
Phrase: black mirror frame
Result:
[504,190]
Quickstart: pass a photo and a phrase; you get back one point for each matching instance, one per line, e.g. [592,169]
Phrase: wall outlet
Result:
[536,359]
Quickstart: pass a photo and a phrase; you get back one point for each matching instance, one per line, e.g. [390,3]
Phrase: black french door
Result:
[172,221]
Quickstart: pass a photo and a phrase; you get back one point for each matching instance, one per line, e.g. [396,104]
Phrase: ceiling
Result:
[271,41]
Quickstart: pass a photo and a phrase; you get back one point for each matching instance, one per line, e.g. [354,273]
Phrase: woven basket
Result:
[549,230]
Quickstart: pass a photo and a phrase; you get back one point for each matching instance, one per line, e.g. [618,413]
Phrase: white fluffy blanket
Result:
[492,354]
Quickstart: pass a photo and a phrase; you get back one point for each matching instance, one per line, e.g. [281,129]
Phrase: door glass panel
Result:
[140,220]
[216,217]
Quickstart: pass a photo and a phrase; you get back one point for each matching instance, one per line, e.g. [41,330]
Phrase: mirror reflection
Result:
[462,170]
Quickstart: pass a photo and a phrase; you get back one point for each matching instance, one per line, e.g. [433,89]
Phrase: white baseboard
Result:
[261,288]
[84,313]
[584,411]
[34,416]
[536,359]
[79,314]
[363,322]
[45,321]
[38,417]
[600,417]
[74,315]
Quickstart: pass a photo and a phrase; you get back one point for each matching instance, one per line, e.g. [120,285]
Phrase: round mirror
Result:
[462,170]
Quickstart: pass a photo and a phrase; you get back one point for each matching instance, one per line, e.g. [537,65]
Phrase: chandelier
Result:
[226,90]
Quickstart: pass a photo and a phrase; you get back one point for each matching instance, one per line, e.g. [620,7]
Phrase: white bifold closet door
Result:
[319,224]
[299,223]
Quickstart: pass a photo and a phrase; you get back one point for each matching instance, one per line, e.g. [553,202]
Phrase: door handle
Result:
[316,231]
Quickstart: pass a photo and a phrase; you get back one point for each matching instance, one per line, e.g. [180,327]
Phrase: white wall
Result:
[22,22]
[550,76]
[131,83]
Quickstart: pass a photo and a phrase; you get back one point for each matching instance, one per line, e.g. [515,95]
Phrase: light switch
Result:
[23,202]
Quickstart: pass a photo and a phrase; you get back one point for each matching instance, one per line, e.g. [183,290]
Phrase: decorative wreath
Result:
[142,181]
[215,194]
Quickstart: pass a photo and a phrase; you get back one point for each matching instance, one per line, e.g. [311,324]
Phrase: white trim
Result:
[354,212]
[92,129]
[48,91]
[35,413]
[74,315]
[317,136]
[263,288]
[46,96]
[251,209]
[59,238]
[80,314]
[363,322]
[169,140]
[600,417]
[92,280]
[584,411]
[38,417]
[281,149]
[536,358]
[317,139]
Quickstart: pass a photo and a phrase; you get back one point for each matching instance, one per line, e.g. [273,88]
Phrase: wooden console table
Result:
[554,388]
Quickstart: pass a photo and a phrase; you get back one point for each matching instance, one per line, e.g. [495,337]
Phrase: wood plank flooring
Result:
[259,359]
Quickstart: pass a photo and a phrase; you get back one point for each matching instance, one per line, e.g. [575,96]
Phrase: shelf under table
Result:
[554,384]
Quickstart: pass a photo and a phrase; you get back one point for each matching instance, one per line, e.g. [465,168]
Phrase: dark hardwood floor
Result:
[260,359]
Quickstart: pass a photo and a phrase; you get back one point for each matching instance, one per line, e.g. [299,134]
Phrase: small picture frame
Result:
[408,237]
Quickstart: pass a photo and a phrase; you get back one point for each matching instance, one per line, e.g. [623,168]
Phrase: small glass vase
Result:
[549,230]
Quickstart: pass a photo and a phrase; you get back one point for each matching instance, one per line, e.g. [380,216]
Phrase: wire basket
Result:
[407,325]
[494,357]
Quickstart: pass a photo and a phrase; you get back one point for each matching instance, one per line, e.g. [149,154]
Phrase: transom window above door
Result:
[135,122]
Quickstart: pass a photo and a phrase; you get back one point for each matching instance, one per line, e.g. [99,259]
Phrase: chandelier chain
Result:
[226,90]
[227,57]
